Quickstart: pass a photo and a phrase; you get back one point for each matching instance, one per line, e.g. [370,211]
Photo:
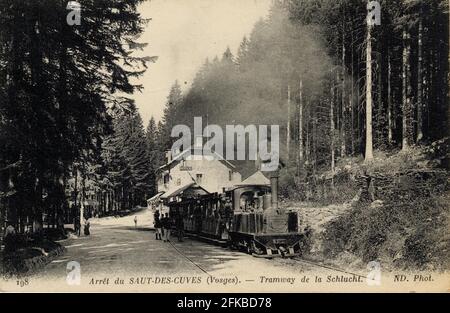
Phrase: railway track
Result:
[296,259]
[189,259]
[328,267]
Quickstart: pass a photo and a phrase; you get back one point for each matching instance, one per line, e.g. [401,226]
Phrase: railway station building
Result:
[212,174]
[188,173]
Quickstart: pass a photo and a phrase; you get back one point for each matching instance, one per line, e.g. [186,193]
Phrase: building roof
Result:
[155,197]
[257,178]
[184,155]
[191,189]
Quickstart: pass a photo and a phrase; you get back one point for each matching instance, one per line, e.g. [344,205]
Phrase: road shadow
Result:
[132,228]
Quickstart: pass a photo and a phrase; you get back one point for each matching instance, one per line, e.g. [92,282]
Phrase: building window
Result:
[199,178]
[230,175]
[166,178]
[178,181]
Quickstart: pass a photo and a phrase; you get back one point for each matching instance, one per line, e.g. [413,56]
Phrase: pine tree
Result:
[170,116]
[242,51]
[135,152]
[154,152]
[58,81]
[227,57]
[161,139]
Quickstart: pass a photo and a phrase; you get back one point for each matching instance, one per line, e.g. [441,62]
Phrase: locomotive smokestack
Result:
[274,187]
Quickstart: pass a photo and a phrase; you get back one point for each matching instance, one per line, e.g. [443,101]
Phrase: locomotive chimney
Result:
[274,187]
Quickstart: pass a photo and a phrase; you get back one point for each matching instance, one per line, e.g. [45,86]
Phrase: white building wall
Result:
[215,175]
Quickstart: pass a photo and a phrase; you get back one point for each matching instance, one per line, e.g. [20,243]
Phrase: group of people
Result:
[10,236]
[86,228]
[164,223]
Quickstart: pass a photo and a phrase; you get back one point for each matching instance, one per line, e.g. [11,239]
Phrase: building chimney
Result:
[169,156]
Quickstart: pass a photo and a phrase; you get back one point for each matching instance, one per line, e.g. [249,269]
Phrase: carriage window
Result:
[199,178]
[247,201]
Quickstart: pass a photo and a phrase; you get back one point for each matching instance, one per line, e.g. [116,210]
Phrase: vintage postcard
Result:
[232,146]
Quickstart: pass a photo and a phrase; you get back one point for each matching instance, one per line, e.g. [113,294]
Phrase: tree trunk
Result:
[3,189]
[300,123]
[332,129]
[114,199]
[358,114]
[343,102]
[314,140]
[83,193]
[420,83]
[38,205]
[406,114]
[308,143]
[352,109]
[431,96]
[369,138]
[75,192]
[105,202]
[288,129]
[389,101]
[379,140]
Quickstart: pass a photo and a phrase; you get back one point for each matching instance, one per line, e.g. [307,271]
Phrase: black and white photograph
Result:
[226,146]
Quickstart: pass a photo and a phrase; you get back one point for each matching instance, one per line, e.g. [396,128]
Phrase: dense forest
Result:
[65,109]
[338,86]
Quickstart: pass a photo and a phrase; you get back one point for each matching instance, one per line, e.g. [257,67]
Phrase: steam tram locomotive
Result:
[245,217]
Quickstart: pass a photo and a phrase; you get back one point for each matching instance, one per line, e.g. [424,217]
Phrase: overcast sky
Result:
[183,33]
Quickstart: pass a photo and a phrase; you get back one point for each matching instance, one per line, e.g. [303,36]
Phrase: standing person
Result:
[167,225]
[179,224]
[87,226]
[163,226]
[157,225]
[228,214]
[77,226]
[10,238]
[61,224]
[135,222]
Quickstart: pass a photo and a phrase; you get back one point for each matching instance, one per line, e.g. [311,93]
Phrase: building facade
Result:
[212,173]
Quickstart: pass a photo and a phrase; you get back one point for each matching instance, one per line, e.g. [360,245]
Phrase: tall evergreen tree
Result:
[58,81]
[169,119]
[154,151]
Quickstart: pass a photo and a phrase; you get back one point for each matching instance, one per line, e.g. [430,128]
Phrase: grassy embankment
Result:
[395,210]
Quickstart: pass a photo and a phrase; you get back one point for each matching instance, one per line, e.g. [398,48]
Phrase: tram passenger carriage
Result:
[245,217]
